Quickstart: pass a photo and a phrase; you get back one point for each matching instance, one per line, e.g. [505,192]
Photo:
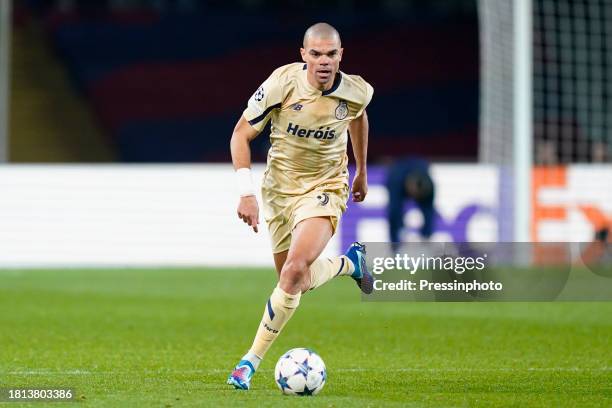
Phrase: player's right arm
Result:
[248,210]
[264,101]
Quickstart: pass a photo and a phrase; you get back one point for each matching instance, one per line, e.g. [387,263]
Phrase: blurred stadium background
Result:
[115,121]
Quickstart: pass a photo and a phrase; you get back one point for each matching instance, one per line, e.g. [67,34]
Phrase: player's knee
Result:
[294,275]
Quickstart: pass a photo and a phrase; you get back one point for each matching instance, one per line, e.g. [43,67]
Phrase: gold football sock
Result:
[325,269]
[278,311]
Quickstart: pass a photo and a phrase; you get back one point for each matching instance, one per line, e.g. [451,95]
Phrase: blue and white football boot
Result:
[240,378]
[356,253]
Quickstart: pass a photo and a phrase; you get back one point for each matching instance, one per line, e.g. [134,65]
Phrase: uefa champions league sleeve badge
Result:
[259,94]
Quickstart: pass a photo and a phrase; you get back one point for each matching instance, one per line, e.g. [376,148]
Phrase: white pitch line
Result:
[339,370]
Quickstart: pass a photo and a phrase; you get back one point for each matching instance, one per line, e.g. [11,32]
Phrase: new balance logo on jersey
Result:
[297,106]
[319,133]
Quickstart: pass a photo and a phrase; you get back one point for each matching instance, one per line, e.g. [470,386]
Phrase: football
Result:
[300,371]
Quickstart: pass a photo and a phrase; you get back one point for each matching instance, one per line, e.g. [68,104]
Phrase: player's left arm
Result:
[358,130]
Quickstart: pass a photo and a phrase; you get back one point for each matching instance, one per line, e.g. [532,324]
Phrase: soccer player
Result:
[305,186]
[410,179]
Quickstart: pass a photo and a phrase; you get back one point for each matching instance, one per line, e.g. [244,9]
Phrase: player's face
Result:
[322,57]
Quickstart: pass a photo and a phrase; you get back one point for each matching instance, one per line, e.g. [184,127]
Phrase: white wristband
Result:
[245,182]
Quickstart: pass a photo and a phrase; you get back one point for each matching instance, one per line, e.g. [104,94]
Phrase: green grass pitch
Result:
[168,338]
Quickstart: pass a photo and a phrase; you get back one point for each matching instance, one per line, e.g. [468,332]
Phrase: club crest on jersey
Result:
[323,199]
[259,95]
[342,110]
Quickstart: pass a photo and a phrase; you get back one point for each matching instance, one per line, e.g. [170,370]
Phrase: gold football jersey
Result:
[309,128]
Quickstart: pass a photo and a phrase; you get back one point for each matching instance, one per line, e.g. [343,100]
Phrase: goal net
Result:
[546,115]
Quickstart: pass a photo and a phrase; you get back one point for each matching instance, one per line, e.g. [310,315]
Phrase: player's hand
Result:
[360,187]
[248,211]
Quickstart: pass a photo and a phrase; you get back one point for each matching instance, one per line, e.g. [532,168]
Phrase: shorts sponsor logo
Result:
[323,199]
[342,110]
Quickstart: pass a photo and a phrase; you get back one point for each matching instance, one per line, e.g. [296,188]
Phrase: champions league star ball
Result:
[300,371]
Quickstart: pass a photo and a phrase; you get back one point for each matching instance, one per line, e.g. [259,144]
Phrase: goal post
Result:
[5,45]
[523,129]
[506,108]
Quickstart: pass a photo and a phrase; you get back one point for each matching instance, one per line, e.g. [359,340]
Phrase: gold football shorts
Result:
[282,213]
